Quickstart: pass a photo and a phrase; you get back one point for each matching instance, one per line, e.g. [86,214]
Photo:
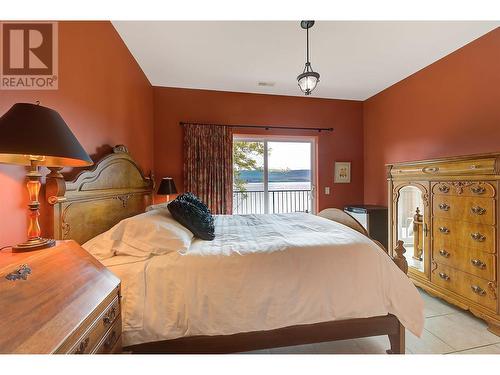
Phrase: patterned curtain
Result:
[208,165]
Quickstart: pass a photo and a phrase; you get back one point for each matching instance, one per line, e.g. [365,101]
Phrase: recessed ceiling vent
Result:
[266,84]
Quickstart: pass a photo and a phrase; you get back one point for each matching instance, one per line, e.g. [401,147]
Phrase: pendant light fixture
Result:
[309,78]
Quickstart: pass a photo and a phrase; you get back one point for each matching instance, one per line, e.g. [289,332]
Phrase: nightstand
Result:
[58,300]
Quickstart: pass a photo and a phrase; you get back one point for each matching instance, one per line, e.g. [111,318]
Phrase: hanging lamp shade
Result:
[308,79]
[34,132]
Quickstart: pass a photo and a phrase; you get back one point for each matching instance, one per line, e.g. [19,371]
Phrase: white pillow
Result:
[154,232]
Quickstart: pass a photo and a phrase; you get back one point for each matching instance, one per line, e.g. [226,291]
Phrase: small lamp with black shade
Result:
[167,187]
[34,136]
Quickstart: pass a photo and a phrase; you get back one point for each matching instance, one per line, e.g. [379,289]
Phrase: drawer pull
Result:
[430,169]
[478,237]
[21,273]
[444,230]
[477,189]
[109,317]
[478,290]
[83,346]
[444,188]
[444,207]
[444,276]
[478,263]
[478,210]
[444,253]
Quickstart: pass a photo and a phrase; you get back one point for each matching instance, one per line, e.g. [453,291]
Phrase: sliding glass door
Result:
[249,187]
[273,175]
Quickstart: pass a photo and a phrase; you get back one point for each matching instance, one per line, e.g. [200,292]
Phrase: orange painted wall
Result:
[105,99]
[449,108]
[344,144]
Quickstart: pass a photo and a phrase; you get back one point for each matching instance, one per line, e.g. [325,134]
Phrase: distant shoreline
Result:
[297,175]
[278,186]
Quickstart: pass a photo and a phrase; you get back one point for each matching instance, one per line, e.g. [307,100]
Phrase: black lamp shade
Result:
[33,132]
[167,186]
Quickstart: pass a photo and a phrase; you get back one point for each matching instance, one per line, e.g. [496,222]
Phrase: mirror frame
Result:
[424,188]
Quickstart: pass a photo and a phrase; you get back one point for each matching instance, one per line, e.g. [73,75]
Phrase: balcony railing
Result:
[280,201]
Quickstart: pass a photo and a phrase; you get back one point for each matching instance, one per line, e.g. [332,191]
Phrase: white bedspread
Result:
[260,273]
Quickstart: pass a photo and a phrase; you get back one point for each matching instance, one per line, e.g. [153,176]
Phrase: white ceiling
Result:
[356,59]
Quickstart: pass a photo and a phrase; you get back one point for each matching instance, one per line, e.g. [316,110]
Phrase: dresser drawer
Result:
[469,286]
[451,233]
[469,209]
[473,166]
[464,189]
[111,342]
[95,333]
[475,262]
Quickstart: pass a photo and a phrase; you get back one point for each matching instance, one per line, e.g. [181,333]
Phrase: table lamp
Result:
[33,135]
[167,187]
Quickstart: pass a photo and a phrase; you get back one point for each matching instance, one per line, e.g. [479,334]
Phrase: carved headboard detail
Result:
[98,198]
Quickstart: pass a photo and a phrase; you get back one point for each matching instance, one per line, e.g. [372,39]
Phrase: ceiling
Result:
[356,59]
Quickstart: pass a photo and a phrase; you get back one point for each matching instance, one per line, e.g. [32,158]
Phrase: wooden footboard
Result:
[341,217]
[287,336]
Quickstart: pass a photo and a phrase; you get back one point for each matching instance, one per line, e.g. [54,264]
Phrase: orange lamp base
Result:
[35,240]
[34,244]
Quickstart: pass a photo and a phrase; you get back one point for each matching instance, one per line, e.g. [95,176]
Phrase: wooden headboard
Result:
[98,198]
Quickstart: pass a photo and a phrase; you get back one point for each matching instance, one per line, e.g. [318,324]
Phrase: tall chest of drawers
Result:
[446,212]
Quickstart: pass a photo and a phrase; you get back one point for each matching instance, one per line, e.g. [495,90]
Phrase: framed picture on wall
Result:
[342,172]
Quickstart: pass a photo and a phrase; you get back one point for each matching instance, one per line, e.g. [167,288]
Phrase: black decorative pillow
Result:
[193,218]
[191,198]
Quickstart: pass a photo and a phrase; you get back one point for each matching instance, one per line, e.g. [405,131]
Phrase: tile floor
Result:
[448,329]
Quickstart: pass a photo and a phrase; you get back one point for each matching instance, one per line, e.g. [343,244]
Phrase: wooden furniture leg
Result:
[397,341]
[399,258]
[493,327]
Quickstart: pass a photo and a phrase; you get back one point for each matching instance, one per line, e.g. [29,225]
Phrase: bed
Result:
[252,287]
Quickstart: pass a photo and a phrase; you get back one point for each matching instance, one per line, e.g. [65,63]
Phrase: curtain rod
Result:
[267,127]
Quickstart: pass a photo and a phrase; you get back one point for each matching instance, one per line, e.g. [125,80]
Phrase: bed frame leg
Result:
[397,341]
[399,258]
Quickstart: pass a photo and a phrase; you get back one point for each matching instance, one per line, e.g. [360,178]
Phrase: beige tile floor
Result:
[447,329]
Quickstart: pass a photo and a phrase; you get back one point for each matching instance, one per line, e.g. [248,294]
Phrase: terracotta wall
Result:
[344,144]
[451,107]
[105,99]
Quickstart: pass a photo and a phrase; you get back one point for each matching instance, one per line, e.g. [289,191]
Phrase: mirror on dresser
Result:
[411,225]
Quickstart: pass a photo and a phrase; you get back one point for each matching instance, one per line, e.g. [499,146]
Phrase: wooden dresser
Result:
[58,300]
[446,212]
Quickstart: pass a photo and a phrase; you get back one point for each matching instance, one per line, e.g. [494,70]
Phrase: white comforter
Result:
[260,273]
